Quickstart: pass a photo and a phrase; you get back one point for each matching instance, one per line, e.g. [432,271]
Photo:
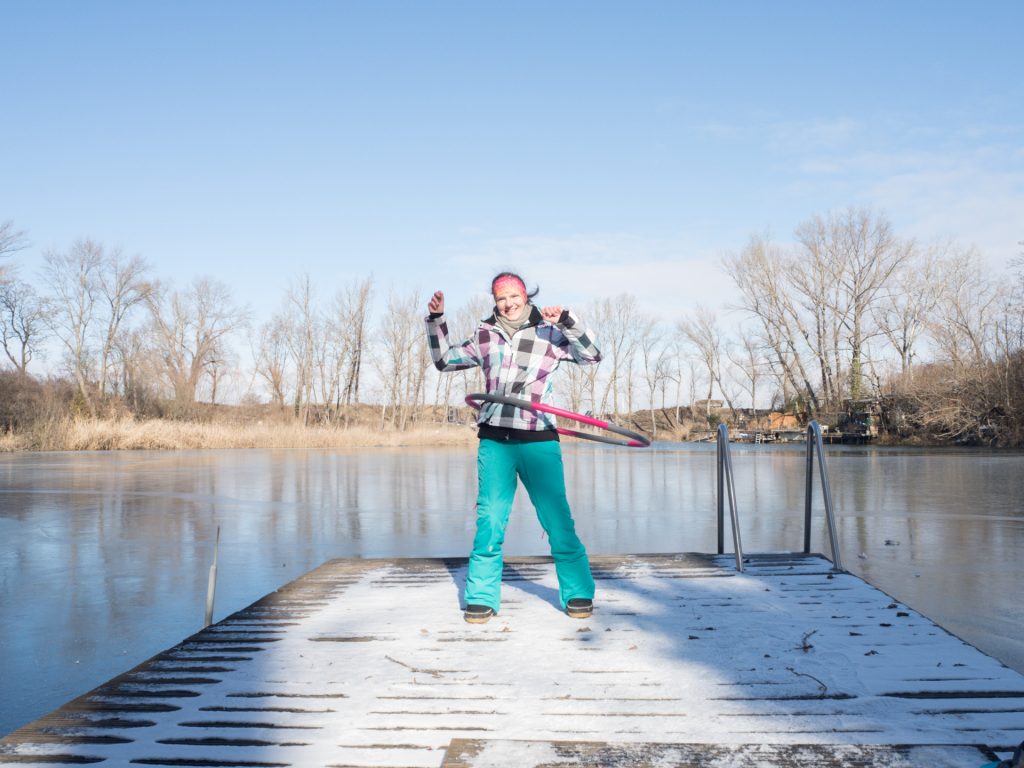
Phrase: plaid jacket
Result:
[517,367]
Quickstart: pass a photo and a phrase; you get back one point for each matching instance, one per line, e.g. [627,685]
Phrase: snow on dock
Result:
[685,662]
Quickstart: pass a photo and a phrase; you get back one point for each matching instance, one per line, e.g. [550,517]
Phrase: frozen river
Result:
[104,557]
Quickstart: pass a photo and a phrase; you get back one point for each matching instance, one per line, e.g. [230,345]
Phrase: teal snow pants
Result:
[539,465]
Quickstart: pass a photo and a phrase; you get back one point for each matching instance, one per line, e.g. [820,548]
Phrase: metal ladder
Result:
[727,488]
[725,481]
[815,445]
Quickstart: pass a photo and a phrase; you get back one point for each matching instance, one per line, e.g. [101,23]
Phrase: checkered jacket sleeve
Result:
[581,344]
[446,357]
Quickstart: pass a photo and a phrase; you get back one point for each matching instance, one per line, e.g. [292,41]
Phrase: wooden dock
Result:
[685,663]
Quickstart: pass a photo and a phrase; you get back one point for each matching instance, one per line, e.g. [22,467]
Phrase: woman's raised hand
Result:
[551,314]
[436,303]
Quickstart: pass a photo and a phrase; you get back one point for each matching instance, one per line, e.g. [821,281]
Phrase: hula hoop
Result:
[636,440]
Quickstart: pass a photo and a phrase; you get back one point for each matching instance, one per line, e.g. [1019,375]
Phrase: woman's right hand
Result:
[436,303]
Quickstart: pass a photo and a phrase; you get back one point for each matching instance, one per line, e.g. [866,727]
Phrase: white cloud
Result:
[931,181]
[668,277]
[819,133]
[934,184]
[717,129]
[965,197]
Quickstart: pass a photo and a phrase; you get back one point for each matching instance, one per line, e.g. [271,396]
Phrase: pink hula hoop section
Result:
[635,439]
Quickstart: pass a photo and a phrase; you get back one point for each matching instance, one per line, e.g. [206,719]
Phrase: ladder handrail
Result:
[815,444]
[725,482]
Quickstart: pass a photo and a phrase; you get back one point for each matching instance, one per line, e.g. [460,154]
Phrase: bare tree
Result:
[705,337]
[220,363]
[352,317]
[329,358]
[1014,307]
[962,324]
[818,305]
[577,384]
[813,280]
[91,294]
[751,362]
[122,285]
[859,252]
[271,357]
[132,368]
[692,381]
[654,361]
[760,273]
[403,357]
[675,371]
[23,323]
[600,312]
[971,389]
[572,387]
[11,240]
[614,321]
[189,328]
[302,342]
[903,309]
[74,281]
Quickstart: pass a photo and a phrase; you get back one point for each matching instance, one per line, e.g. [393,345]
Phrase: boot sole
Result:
[578,614]
[478,619]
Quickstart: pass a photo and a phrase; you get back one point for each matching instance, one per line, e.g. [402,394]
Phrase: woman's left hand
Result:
[551,314]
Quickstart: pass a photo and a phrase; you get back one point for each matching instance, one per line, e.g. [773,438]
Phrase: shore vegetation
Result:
[132,434]
[868,331]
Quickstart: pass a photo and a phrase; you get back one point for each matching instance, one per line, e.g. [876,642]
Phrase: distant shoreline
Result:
[127,434]
[161,434]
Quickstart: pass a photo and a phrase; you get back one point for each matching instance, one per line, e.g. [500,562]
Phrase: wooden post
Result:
[211,586]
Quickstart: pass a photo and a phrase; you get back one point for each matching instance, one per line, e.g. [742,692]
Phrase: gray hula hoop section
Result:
[526,405]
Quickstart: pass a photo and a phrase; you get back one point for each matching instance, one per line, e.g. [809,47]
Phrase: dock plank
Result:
[469,753]
[368,663]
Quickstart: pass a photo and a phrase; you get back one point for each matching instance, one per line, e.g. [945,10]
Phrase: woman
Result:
[518,347]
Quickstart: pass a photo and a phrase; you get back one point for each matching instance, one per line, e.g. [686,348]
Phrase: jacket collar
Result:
[535,318]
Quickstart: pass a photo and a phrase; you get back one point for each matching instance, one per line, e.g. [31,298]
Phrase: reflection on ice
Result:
[104,556]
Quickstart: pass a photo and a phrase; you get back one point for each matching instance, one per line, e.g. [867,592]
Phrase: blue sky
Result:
[596,147]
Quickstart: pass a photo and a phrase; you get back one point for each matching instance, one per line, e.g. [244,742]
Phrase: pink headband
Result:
[509,282]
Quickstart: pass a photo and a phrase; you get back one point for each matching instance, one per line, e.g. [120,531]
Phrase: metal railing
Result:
[725,483]
[815,445]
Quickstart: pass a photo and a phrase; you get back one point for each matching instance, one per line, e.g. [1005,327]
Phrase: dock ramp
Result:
[686,661]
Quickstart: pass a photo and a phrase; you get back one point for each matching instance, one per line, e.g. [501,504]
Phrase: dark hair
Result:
[502,275]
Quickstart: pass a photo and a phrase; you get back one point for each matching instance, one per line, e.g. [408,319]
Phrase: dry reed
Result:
[126,434]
